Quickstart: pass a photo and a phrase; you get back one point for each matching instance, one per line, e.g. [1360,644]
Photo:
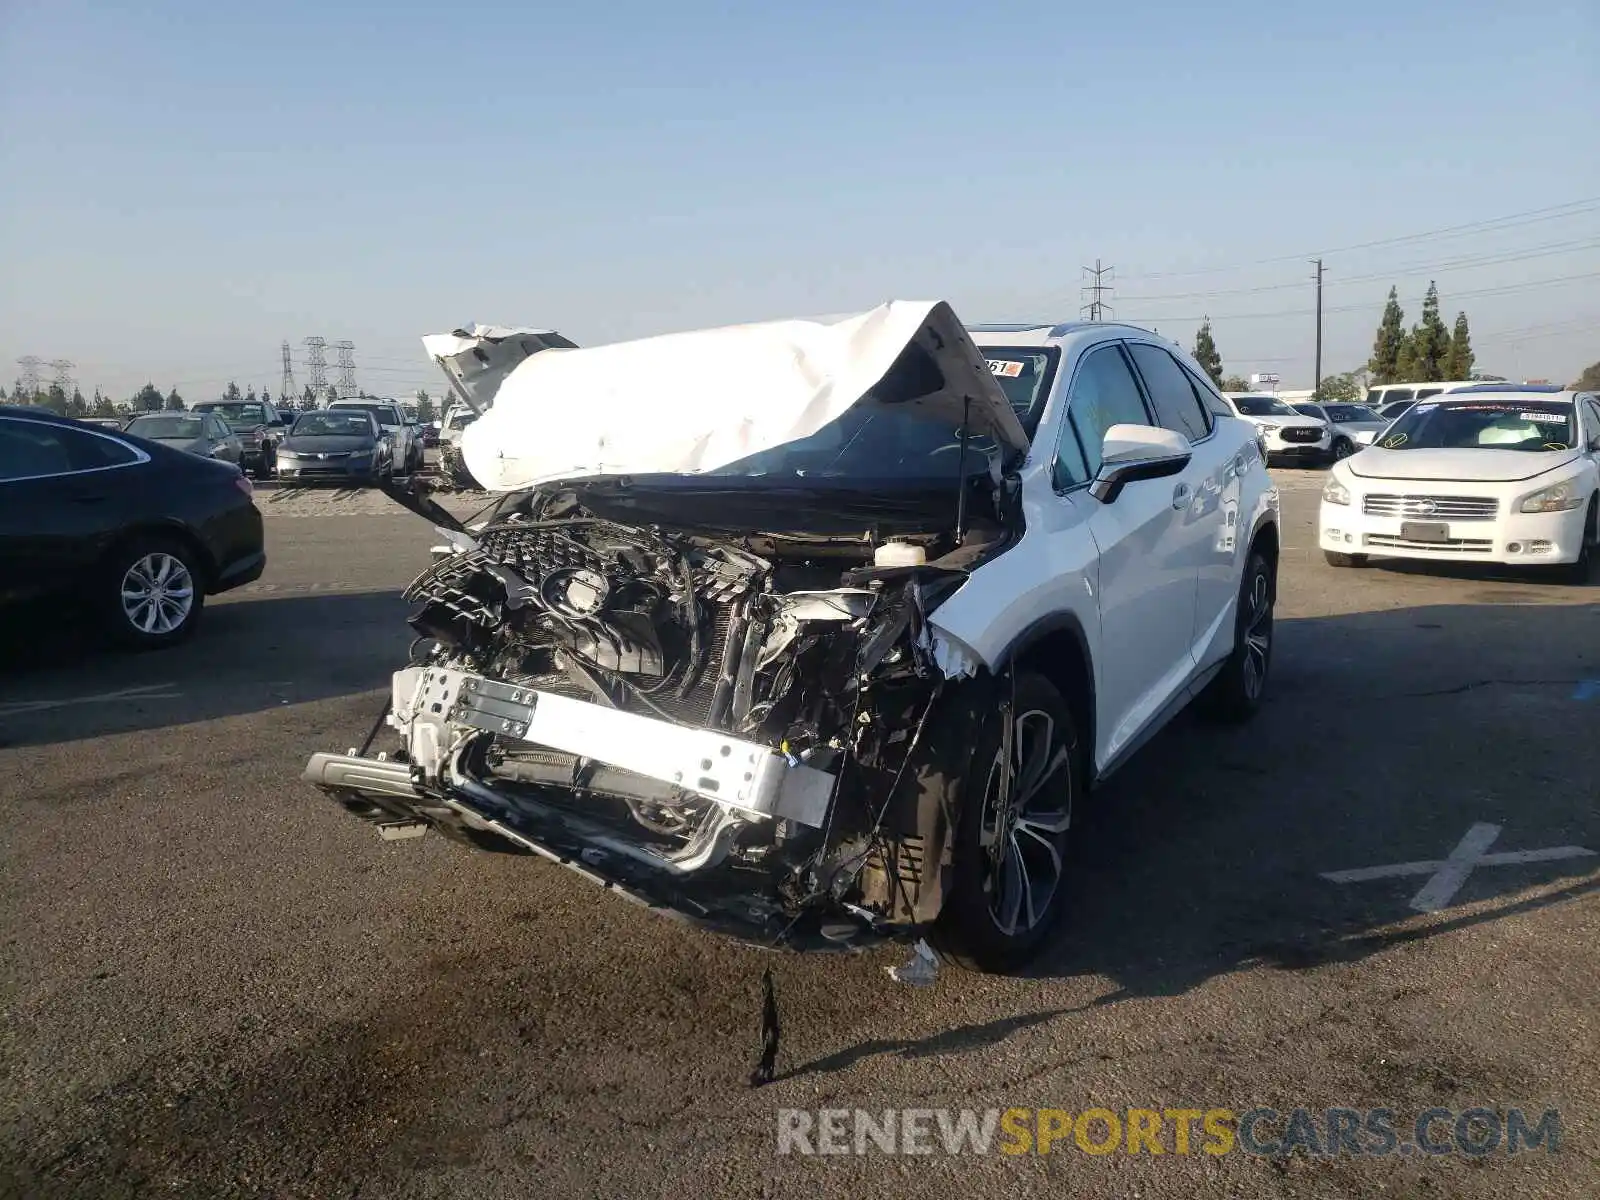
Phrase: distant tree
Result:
[1338,389]
[55,399]
[1388,346]
[1205,352]
[425,412]
[173,402]
[308,398]
[1458,357]
[103,406]
[1430,342]
[1233,383]
[77,406]
[231,392]
[333,393]
[266,396]
[147,399]
[1589,380]
[3,396]
[17,394]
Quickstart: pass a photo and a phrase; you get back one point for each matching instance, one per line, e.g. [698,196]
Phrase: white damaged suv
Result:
[818,631]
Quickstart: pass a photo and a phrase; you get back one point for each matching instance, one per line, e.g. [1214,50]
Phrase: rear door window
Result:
[1177,407]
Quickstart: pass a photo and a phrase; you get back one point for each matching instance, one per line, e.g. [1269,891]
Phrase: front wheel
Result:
[1237,691]
[1578,572]
[1015,784]
[1343,448]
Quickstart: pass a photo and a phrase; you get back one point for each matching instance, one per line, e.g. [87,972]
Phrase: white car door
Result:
[1147,572]
[1207,533]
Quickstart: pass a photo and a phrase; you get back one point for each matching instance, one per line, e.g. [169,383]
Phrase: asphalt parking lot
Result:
[216,983]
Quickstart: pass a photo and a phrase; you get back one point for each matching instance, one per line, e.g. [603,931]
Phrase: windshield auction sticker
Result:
[1006,368]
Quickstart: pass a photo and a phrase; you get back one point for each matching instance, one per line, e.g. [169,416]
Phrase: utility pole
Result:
[1096,287]
[1316,376]
[30,364]
[317,364]
[347,368]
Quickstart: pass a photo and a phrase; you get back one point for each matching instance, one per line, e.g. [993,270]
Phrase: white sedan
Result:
[1500,477]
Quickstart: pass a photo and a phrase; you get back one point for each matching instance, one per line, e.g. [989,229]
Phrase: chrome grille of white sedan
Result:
[1443,508]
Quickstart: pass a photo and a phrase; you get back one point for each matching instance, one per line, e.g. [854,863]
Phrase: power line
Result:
[1533,216]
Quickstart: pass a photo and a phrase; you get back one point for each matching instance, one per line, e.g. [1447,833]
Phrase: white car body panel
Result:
[1272,427]
[1476,492]
[476,359]
[687,403]
[1153,589]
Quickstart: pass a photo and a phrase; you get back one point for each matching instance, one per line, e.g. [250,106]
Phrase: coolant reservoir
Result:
[899,554]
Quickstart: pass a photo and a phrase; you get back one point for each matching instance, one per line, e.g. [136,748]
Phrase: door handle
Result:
[1180,495]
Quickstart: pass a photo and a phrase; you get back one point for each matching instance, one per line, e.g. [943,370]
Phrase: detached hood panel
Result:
[476,359]
[1461,466]
[686,403]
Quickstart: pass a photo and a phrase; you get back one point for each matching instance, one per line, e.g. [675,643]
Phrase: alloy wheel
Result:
[1024,821]
[157,593]
[1257,635]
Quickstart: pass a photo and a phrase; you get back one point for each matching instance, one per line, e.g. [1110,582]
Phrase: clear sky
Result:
[188,184]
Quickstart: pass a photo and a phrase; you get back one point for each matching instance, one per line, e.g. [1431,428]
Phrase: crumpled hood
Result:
[686,403]
[1464,465]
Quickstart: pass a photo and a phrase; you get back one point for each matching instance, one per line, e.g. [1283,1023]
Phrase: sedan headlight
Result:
[1558,497]
[1334,492]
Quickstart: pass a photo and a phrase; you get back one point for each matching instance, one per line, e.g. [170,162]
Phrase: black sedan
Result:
[136,532]
[205,434]
[334,445]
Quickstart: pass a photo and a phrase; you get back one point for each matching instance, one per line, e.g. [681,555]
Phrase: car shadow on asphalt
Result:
[1205,856]
[249,654]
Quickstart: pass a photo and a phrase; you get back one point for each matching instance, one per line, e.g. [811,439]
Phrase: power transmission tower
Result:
[1097,288]
[287,394]
[1316,373]
[347,368]
[317,364]
[30,375]
[63,380]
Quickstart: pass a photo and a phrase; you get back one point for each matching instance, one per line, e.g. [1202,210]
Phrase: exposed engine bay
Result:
[719,725]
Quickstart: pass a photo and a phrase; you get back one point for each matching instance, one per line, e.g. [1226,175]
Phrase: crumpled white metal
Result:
[687,403]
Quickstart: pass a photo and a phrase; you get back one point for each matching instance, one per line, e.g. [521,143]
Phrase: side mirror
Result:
[1131,453]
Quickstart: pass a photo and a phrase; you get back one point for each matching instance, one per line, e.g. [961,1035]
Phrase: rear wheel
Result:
[1335,559]
[1016,786]
[1236,693]
[150,593]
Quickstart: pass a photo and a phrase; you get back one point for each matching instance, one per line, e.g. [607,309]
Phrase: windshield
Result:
[1262,406]
[168,427]
[1309,410]
[383,412]
[865,444]
[1485,425]
[1352,412]
[1024,374]
[347,424]
[237,414]
[462,420]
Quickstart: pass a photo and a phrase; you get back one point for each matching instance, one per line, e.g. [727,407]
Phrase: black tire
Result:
[267,467]
[1578,573]
[983,925]
[1236,693]
[137,566]
[1343,448]
[1335,559]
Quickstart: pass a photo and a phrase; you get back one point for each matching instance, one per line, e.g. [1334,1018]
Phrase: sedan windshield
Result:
[242,413]
[1509,424]
[383,412]
[1352,412]
[172,427]
[1263,406]
[332,423]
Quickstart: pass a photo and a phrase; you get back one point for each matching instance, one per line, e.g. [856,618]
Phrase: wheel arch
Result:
[173,530]
[1267,540]
[1058,648]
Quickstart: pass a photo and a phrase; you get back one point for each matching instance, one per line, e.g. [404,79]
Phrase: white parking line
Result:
[154,691]
[1448,874]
